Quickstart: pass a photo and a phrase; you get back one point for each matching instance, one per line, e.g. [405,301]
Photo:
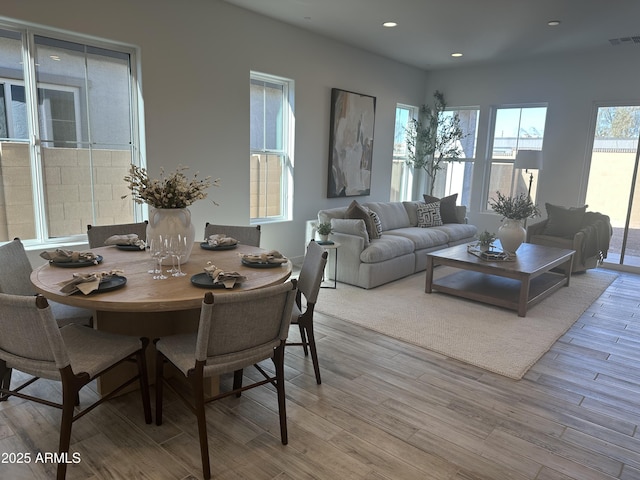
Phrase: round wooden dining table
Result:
[147,307]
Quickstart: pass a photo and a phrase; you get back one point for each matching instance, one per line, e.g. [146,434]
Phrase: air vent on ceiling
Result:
[625,40]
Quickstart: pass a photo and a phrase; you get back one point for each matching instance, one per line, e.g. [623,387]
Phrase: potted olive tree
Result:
[433,139]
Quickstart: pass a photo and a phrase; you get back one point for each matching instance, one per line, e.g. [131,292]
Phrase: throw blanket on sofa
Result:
[597,230]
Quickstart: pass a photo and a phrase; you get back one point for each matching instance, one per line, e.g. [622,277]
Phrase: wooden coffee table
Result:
[516,285]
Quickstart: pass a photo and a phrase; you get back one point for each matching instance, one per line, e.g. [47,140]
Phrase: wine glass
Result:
[179,250]
[160,252]
[151,246]
[172,243]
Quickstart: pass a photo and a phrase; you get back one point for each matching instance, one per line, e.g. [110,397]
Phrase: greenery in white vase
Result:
[324,228]
[514,208]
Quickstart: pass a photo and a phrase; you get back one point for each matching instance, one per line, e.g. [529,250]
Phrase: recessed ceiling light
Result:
[554,23]
[389,24]
[54,57]
[457,54]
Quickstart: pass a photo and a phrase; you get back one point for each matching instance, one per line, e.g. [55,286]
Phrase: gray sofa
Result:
[401,249]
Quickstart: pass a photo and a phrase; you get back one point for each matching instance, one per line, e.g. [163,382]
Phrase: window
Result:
[401,173]
[67,135]
[614,179]
[456,177]
[271,130]
[514,128]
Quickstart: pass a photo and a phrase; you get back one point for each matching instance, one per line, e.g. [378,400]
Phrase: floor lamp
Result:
[529,160]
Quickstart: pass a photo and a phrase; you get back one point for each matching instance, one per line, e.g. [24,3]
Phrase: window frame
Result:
[491,159]
[28,32]
[406,183]
[286,153]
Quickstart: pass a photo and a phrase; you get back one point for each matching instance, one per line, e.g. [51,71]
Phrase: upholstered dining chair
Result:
[31,342]
[97,234]
[236,330]
[15,279]
[245,235]
[309,282]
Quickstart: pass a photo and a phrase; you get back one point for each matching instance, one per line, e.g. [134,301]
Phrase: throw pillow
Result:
[357,211]
[447,207]
[429,215]
[563,221]
[376,222]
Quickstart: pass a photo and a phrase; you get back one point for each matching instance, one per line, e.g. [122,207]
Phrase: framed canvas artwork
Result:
[350,143]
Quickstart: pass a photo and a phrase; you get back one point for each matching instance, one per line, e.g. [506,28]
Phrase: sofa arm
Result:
[351,246]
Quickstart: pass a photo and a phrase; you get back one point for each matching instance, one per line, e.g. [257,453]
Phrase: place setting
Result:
[214,277]
[219,241]
[130,242]
[271,259]
[70,259]
[94,282]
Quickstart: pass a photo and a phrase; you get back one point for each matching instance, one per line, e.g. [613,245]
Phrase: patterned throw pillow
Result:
[429,215]
[376,222]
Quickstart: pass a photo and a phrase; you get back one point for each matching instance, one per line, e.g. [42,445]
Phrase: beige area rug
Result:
[491,338]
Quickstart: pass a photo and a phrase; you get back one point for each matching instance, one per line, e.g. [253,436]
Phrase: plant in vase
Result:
[513,210]
[168,198]
[485,240]
[324,230]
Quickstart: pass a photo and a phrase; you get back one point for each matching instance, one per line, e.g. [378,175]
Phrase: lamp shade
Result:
[529,159]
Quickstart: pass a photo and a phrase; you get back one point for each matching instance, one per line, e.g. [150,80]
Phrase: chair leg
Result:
[144,380]
[197,382]
[159,386]
[237,381]
[311,338]
[278,361]
[70,388]
[5,379]
[303,339]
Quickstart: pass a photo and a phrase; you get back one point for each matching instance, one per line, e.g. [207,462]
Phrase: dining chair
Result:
[236,330]
[309,282]
[31,342]
[245,235]
[97,234]
[15,279]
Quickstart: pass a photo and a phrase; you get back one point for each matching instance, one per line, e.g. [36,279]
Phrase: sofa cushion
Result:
[457,231]
[447,207]
[429,215]
[421,237]
[412,212]
[325,216]
[392,214]
[351,226]
[357,211]
[386,248]
[563,221]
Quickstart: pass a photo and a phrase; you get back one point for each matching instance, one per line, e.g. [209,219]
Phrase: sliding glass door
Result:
[614,187]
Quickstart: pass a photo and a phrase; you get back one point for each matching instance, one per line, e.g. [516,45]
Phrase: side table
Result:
[331,246]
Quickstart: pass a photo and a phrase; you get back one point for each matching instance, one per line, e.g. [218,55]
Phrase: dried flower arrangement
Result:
[172,191]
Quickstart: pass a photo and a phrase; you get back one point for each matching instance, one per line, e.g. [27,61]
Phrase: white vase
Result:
[170,222]
[323,237]
[511,235]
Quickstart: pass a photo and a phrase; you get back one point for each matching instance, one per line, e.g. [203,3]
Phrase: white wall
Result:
[196,57]
[571,86]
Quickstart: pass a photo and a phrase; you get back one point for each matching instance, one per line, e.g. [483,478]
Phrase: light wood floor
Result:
[385,410]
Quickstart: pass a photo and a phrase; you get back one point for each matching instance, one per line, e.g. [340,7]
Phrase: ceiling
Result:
[429,31]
